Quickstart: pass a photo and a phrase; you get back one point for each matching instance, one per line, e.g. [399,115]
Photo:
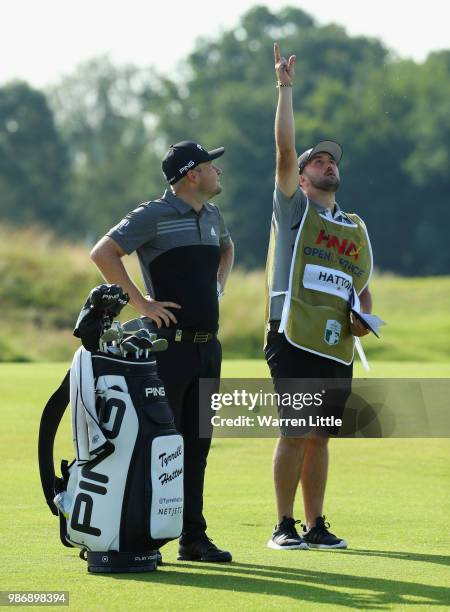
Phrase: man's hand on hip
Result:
[159,311]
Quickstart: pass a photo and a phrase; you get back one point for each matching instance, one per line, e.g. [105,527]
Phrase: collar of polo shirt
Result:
[182,206]
[337,212]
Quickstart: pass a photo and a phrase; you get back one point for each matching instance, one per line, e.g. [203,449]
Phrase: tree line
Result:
[79,155]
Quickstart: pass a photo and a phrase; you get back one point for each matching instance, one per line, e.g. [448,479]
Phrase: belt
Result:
[186,335]
[273,326]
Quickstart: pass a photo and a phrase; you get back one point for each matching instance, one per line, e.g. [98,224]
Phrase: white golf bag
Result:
[121,498]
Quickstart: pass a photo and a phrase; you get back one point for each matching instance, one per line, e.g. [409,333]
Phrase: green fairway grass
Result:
[388,498]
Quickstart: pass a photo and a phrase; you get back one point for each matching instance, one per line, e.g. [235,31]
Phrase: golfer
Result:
[185,254]
[319,259]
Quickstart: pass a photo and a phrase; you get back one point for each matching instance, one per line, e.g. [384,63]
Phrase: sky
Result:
[40,41]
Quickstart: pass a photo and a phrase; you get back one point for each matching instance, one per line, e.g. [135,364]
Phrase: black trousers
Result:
[180,368]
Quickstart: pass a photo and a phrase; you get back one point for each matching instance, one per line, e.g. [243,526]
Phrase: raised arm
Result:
[286,156]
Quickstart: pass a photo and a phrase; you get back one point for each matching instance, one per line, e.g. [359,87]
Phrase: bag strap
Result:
[50,420]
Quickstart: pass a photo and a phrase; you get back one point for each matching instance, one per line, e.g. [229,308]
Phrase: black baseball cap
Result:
[324,146]
[184,156]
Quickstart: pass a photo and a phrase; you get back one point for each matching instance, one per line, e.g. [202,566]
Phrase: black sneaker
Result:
[159,560]
[203,550]
[285,536]
[320,537]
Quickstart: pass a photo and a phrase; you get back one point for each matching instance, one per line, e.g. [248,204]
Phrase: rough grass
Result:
[45,282]
[416,311]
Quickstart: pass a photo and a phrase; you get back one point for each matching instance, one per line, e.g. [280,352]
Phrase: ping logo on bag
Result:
[84,503]
[99,484]
[155,392]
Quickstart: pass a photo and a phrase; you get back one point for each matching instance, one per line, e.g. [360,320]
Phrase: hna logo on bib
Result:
[332,332]
[343,247]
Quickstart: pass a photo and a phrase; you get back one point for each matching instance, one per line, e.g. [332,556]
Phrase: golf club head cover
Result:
[103,304]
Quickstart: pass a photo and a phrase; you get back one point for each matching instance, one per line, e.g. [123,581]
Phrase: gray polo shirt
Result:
[179,253]
[286,218]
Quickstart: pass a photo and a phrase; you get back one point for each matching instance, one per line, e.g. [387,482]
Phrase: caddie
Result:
[319,260]
[185,253]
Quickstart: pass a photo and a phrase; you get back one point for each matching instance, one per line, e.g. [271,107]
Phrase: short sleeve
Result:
[136,229]
[283,206]
[224,237]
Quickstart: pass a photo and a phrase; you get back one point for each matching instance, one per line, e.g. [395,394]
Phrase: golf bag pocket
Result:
[166,469]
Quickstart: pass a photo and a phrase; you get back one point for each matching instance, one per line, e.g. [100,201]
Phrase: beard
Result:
[326,183]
